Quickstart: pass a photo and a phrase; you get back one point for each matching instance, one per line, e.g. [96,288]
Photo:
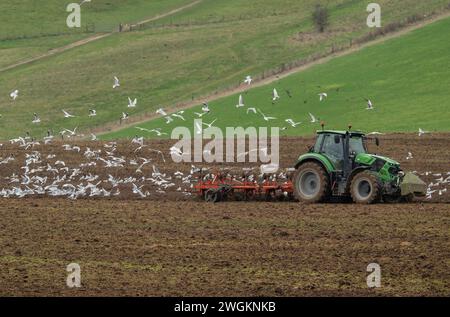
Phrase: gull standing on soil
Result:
[14,94]
[116,82]
[241,102]
[323,96]
[132,103]
[67,115]
[410,156]
[93,137]
[248,80]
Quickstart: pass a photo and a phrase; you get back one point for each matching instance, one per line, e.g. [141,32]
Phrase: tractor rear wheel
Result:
[365,188]
[311,183]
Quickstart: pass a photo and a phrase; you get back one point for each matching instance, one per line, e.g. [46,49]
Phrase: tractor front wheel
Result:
[365,188]
[311,183]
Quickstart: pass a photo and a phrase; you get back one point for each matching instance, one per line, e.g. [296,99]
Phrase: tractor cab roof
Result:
[352,133]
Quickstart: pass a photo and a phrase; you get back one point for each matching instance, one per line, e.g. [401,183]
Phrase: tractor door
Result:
[333,148]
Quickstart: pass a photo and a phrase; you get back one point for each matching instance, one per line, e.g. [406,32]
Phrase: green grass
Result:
[32,27]
[27,18]
[406,78]
[215,45]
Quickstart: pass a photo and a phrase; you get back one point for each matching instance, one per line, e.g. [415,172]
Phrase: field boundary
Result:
[142,118]
[93,38]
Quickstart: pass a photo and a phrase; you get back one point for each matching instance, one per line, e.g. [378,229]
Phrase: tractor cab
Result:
[340,147]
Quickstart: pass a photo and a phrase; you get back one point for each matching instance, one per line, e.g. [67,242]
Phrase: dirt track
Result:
[164,246]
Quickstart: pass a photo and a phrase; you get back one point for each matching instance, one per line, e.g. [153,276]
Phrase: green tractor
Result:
[338,165]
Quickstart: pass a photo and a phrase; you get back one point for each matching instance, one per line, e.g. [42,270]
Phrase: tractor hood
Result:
[369,159]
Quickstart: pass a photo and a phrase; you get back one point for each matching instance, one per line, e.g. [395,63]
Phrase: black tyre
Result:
[213,196]
[311,183]
[365,188]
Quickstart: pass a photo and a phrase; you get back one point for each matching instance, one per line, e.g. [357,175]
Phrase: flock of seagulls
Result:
[77,172]
[179,115]
[132,103]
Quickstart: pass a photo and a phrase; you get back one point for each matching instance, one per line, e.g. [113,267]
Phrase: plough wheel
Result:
[249,195]
[271,195]
[213,196]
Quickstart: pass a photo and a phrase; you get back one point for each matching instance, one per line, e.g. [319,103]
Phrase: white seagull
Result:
[369,104]
[92,112]
[161,112]
[266,118]
[132,103]
[292,123]
[275,95]
[422,132]
[251,110]
[205,107]
[323,96]
[241,102]
[209,125]
[36,118]
[116,82]
[248,80]
[14,94]
[67,115]
[313,119]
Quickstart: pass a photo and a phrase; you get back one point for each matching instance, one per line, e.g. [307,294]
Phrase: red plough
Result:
[220,188]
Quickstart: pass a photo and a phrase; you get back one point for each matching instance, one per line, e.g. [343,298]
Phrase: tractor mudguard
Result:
[315,157]
[412,184]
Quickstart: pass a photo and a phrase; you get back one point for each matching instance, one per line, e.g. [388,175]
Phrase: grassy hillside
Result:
[407,79]
[31,27]
[206,48]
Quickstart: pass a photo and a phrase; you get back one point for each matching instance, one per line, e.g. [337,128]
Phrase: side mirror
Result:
[337,139]
[377,141]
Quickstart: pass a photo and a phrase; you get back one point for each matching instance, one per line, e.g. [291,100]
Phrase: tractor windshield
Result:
[357,145]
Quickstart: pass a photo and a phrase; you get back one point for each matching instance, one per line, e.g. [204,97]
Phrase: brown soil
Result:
[162,246]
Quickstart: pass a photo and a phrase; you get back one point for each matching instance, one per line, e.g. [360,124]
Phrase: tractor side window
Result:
[334,151]
[356,145]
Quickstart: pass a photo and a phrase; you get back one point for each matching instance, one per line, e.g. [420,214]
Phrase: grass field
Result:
[32,27]
[404,78]
[206,48]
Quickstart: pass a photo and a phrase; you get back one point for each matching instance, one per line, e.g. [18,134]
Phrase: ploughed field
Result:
[171,243]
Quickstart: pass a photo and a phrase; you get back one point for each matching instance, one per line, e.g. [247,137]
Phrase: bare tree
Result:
[320,17]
